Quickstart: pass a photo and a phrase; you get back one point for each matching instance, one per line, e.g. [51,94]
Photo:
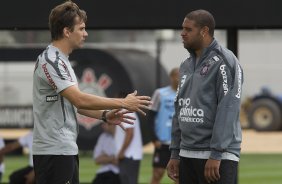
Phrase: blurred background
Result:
[133,45]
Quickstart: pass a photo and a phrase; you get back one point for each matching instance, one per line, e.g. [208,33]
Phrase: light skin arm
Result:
[129,133]
[86,101]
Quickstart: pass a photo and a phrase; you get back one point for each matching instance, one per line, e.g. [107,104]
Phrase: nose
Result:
[183,33]
[85,34]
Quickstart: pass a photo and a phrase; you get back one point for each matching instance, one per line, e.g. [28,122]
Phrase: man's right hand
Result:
[135,103]
[173,169]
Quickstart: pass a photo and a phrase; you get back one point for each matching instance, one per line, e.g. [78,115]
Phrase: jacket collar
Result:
[206,50]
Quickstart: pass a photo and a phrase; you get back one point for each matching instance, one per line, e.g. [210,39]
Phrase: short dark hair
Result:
[63,16]
[203,18]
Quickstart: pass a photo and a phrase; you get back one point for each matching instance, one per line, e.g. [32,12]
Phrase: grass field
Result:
[254,168]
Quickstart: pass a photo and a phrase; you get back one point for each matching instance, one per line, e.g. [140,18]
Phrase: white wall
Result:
[260,55]
[16,83]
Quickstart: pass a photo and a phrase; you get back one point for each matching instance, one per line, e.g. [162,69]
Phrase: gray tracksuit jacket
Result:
[207,104]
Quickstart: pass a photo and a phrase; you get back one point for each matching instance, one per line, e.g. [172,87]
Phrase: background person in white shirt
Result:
[104,154]
[130,153]
[23,175]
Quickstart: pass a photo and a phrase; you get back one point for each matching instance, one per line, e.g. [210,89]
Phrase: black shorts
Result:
[108,177]
[191,170]
[161,156]
[56,169]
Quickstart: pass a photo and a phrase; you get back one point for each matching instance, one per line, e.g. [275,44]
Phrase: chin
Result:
[79,46]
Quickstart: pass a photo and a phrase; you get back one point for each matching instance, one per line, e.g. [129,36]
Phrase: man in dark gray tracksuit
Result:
[206,133]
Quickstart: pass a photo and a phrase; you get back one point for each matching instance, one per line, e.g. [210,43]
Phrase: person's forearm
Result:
[93,102]
[10,147]
[104,159]
[91,113]
[86,101]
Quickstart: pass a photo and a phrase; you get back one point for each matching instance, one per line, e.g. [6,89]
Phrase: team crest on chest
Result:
[205,69]
[207,66]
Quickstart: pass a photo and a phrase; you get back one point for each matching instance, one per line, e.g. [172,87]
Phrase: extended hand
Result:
[136,103]
[212,170]
[119,116]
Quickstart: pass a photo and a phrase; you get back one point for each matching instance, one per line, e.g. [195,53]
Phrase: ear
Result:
[204,31]
[66,32]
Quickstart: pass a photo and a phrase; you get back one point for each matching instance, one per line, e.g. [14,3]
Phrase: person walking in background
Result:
[160,119]
[57,99]
[206,132]
[2,166]
[24,175]
[130,150]
[105,155]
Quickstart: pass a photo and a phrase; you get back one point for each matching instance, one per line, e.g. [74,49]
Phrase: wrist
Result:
[123,103]
[104,115]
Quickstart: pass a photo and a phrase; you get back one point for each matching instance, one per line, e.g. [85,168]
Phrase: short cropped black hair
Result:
[203,18]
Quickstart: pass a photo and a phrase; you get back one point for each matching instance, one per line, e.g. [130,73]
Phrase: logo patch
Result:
[52,83]
[205,69]
[52,98]
[92,85]
[215,58]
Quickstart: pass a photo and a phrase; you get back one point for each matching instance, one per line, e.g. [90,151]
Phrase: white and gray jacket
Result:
[207,104]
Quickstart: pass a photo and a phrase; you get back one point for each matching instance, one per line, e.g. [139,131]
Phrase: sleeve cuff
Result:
[216,155]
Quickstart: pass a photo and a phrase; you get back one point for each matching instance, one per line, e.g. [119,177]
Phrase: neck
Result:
[62,46]
[206,42]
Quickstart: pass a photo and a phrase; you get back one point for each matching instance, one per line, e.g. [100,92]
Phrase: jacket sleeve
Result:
[229,88]
[175,132]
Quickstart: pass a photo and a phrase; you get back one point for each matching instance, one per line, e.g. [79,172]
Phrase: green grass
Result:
[253,168]
[260,169]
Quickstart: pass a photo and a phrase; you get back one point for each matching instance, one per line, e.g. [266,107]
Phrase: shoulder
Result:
[186,61]
[226,56]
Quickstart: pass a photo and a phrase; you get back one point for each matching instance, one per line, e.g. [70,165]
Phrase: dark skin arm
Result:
[129,133]
[9,148]
[212,170]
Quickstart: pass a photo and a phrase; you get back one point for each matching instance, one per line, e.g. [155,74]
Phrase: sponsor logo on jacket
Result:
[224,78]
[239,82]
[48,76]
[188,113]
[182,81]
